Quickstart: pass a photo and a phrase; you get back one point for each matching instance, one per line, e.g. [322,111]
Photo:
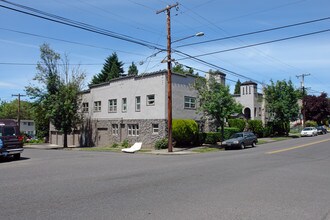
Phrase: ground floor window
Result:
[115,129]
[155,128]
[133,130]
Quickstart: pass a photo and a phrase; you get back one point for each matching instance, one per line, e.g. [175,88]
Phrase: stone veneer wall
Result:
[103,136]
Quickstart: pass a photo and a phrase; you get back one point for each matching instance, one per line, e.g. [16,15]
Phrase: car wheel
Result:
[17,156]
[242,146]
[254,144]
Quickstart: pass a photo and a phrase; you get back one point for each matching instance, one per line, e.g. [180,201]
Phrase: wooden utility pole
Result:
[19,110]
[169,74]
[302,84]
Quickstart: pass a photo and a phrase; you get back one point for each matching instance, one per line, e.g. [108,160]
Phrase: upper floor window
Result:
[133,130]
[151,99]
[138,103]
[124,105]
[85,107]
[189,102]
[113,105]
[97,106]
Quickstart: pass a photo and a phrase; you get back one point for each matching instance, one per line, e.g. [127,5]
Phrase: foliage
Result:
[57,92]
[178,68]
[317,108]
[112,69]
[184,131]
[125,144]
[132,70]
[256,127]
[8,110]
[238,123]
[228,132]
[114,145]
[212,137]
[238,87]
[282,104]
[215,100]
[310,123]
[161,144]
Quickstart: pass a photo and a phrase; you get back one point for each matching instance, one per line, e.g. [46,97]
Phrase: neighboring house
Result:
[27,127]
[132,108]
[252,101]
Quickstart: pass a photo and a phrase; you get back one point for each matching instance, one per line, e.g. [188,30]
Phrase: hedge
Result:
[184,131]
[237,123]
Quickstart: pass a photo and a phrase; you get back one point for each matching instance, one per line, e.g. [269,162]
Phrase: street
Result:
[282,180]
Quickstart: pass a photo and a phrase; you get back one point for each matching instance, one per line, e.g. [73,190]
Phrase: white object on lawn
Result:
[136,147]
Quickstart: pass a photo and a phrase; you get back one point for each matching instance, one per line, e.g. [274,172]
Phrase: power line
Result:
[262,43]
[79,25]
[256,32]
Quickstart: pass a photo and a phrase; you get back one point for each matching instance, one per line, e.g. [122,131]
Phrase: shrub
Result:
[161,144]
[184,131]
[114,145]
[311,124]
[212,137]
[125,143]
[237,123]
[228,132]
[256,127]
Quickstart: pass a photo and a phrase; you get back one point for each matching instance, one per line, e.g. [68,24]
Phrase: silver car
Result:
[308,131]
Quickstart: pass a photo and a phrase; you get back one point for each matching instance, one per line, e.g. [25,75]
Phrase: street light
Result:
[199,34]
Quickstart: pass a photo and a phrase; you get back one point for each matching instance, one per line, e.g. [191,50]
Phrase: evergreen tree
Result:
[132,70]
[238,87]
[112,69]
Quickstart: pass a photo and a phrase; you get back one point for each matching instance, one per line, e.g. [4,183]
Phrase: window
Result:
[151,99]
[133,130]
[113,105]
[30,123]
[85,107]
[124,105]
[189,102]
[137,103]
[97,106]
[115,129]
[155,128]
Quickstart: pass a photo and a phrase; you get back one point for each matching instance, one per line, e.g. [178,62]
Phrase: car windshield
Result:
[237,135]
[307,129]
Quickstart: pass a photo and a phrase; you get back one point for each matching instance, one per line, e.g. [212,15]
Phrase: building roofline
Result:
[248,83]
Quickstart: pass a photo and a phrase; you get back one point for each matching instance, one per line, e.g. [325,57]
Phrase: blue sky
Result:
[136,18]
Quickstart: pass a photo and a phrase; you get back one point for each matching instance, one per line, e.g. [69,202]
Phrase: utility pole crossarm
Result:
[169,7]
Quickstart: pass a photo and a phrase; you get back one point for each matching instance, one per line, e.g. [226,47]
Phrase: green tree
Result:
[9,110]
[178,68]
[132,70]
[238,87]
[112,69]
[56,94]
[282,104]
[216,101]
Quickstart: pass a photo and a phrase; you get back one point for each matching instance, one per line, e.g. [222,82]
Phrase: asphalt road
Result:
[283,180]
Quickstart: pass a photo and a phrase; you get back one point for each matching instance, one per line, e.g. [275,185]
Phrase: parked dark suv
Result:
[240,140]
[11,143]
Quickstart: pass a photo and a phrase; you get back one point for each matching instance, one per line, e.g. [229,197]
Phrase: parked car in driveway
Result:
[321,130]
[11,143]
[240,140]
[308,131]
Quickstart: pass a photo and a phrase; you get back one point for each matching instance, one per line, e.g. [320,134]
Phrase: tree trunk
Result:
[65,139]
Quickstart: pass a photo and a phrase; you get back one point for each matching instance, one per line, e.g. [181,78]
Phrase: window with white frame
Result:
[124,104]
[138,103]
[114,129]
[155,128]
[97,106]
[133,130]
[85,107]
[151,99]
[113,105]
[189,102]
